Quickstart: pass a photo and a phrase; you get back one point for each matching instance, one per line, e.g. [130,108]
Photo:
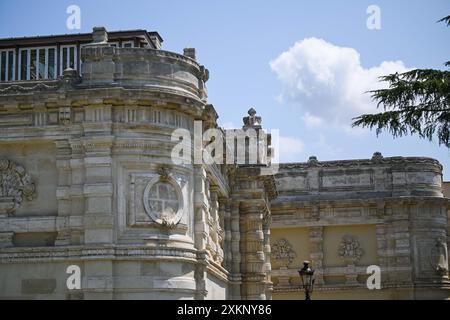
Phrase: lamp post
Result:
[307,277]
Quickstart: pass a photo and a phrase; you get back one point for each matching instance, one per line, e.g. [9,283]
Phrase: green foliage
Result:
[415,102]
[446,20]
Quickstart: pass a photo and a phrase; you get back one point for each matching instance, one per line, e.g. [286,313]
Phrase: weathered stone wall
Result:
[87,178]
[95,148]
[347,215]
[127,67]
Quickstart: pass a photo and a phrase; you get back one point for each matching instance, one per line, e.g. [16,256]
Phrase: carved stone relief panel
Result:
[216,233]
[346,180]
[424,178]
[163,201]
[156,199]
[350,250]
[424,263]
[293,183]
[15,186]
[282,254]
[439,257]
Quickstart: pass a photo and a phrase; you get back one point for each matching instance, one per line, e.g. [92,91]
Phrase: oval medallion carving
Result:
[163,201]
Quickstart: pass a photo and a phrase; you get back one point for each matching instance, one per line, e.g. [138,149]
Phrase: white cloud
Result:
[289,149]
[328,82]
[312,121]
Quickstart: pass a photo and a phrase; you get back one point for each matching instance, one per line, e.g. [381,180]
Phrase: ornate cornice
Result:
[375,161]
[26,88]
[38,255]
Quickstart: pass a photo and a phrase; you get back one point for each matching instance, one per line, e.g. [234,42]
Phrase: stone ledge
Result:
[82,253]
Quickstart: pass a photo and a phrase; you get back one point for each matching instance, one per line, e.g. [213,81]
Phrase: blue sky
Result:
[303,65]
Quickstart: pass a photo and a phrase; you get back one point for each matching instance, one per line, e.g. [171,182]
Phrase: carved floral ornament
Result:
[350,250]
[163,200]
[15,185]
[17,89]
[282,253]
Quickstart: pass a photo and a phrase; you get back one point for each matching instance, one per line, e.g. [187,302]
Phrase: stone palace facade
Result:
[87,179]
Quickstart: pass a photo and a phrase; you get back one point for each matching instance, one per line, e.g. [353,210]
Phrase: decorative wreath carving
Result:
[15,186]
[350,250]
[282,253]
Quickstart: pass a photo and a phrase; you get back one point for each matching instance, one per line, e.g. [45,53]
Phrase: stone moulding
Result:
[68,81]
[400,161]
[143,67]
[28,255]
[22,88]
[15,186]
[127,53]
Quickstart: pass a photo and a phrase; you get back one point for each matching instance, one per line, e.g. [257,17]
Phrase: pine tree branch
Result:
[446,20]
[415,102]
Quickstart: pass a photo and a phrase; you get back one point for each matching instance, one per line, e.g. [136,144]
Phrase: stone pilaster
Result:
[428,228]
[382,250]
[235,245]
[221,232]
[63,191]
[201,229]
[267,255]
[98,191]
[226,208]
[316,252]
[99,222]
[214,243]
[252,248]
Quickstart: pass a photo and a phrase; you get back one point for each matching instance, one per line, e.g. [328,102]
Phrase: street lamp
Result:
[307,277]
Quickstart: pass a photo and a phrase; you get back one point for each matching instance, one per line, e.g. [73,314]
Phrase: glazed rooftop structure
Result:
[45,57]
[87,178]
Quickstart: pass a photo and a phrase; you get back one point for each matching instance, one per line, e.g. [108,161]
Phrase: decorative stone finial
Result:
[190,53]
[312,161]
[99,35]
[377,157]
[252,121]
[70,73]
[70,77]
[204,74]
